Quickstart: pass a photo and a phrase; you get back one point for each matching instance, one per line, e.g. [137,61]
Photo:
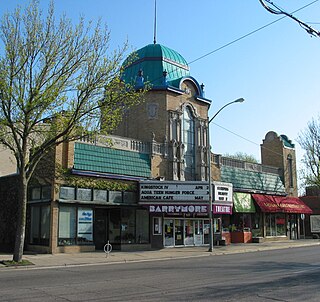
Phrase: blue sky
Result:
[276,69]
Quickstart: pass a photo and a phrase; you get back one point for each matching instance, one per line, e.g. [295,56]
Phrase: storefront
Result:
[179,212]
[281,215]
[86,219]
[245,224]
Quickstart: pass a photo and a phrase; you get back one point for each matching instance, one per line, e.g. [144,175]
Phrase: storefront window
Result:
[257,229]
[168,232]
[241,222]
[157,227]
[67,225]
[189,232]
[198,232]
[275,224]
[85,226]
[128,226]
[40,225]
[142,226]
[280,224]
[75,225]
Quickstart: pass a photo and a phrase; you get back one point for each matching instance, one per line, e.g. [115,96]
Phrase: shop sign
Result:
[155,191]
[222,191]
[85,224]
[222,209]
[178,209]
[315,223]
[243,203]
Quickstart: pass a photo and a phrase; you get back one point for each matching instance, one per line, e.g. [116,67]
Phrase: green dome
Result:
[153,60]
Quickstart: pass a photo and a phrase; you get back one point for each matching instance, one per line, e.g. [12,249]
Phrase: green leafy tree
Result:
[309,140]
[56,81]
[242,156]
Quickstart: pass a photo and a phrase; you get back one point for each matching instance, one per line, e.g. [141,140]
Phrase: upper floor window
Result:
[290,170]
[188,139]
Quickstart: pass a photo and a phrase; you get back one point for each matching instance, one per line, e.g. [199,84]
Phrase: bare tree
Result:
[56,81]
[309,140]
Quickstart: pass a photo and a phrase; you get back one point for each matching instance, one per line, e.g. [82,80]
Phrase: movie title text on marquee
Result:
[173,191]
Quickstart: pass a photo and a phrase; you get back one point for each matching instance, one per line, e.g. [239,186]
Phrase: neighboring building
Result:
[7,162]
[147,185]
[261,206]
[279,151]
[311,223]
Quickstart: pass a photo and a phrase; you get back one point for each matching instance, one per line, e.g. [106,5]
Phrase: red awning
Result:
[280,204]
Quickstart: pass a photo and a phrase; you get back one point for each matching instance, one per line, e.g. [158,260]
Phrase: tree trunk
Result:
[22,217]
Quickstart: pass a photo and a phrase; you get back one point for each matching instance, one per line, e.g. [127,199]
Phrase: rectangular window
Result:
[67,225]
[85,226]
[128,226]
[40,225]
[46,193]
[84,194]
[129,197]
[142,226]
[67,193]
[35,193]
[75,225]
[115,196]
[100,195]
[157,226]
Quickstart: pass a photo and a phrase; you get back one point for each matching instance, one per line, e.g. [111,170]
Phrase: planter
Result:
[241,237]
[226,236]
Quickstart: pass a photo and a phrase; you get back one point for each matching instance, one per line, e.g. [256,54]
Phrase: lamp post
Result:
[240,100]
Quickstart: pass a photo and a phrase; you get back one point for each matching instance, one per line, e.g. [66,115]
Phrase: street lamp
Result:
[240,100]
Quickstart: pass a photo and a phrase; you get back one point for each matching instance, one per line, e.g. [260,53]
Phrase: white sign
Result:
[155,191]
[223,192]
[315,223]
[85,224]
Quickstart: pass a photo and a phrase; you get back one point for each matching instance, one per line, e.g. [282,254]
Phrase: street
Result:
[278,275]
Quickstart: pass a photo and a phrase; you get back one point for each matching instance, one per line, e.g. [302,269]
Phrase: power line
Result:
[246,139]
[250,33]
[279,11]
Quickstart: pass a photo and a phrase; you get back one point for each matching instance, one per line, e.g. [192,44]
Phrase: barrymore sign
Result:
[173,191]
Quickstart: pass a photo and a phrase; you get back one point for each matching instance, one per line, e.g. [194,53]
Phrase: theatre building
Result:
[147,186]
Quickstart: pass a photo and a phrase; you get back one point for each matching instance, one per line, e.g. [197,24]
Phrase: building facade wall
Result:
[275,153]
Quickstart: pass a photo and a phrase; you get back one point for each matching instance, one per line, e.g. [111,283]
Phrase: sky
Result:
[275,69]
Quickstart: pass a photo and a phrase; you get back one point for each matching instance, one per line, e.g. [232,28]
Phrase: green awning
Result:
[243,203]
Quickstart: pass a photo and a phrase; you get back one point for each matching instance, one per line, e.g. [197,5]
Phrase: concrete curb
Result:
[46,261]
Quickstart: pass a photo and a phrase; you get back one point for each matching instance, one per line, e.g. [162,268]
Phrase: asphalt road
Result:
[278,275]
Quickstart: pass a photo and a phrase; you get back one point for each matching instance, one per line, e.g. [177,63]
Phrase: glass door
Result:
[178,231]
[168,232]
[188,232]
[198,232]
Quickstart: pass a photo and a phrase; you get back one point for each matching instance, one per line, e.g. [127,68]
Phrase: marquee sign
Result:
[179,209]
[223,192]
[173,191]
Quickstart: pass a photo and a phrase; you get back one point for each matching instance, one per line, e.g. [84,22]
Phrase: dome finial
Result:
[155,23]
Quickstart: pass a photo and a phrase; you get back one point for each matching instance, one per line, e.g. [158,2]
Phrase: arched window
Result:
[188,139]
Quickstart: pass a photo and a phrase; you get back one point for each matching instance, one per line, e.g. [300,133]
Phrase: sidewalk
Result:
[100,258]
